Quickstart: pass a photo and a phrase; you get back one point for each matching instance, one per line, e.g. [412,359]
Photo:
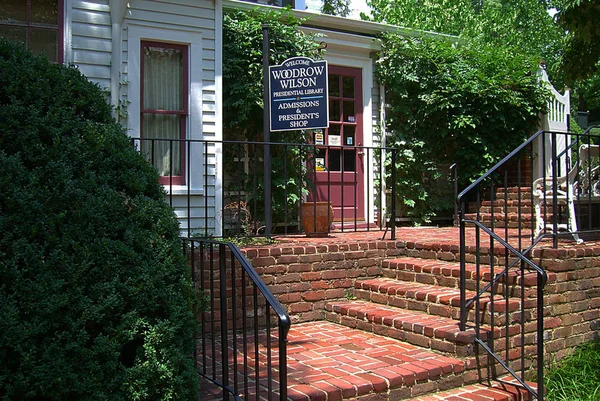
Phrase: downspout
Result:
[117,13]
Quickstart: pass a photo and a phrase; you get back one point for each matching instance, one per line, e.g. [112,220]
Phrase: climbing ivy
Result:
[243,108]
[453,103]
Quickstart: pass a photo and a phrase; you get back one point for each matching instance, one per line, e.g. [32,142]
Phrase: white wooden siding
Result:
[90,29]
[90,39]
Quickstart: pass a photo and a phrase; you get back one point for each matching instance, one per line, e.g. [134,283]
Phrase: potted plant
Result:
[316,218]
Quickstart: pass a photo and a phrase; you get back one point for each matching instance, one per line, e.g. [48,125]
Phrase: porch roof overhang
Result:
[323,22]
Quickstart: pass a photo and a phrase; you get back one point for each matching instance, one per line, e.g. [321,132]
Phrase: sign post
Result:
[267,133]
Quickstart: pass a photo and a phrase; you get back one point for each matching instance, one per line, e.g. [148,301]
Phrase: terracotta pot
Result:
[320,213]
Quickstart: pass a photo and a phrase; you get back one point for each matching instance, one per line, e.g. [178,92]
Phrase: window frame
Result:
[183,124]
[59,29]
[136,32]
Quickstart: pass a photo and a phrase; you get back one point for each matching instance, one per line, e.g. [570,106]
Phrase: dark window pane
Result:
[44,12]
[349,131]
[13,33]
[334,85]
[44,41]
[334,160]
[348,87]
[13,11]
[334,129]
[335,110]
[349,111]
[349,160]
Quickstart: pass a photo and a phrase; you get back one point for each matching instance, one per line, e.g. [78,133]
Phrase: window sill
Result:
[182,190]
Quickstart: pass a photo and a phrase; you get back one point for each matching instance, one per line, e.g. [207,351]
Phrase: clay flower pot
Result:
[316,218]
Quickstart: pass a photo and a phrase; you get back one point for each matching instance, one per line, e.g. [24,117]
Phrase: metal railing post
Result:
[393,217]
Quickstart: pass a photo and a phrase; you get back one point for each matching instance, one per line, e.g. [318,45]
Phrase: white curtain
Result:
[163,91]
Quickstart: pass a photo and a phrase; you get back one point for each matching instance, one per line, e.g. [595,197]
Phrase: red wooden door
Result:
[339,176]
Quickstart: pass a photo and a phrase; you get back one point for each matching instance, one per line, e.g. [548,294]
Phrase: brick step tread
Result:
[420,323]
[452,269]
[512,217]
[495,392]
[385,290]
[327,361]
[514,189]
[525,201]
[508,209]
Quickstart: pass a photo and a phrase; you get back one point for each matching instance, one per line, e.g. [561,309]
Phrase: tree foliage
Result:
[454,104]
[582,48]
[469,99]
[242,64]
[95,296]
[523,25]
[336,7]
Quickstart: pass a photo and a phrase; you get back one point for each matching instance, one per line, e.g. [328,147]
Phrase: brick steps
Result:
[417,328]
[446,274]
[432,299]
[331,362]
[501,220]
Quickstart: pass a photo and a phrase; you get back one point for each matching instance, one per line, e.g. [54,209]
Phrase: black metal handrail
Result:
[516,262]
[539,189]
[195,173]
[237,346]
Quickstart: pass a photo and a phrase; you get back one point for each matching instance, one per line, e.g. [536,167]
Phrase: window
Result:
[164,108]
[36,23]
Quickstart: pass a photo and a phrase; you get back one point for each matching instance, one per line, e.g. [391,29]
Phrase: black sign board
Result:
[298,94]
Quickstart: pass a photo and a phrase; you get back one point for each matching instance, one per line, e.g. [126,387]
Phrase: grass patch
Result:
[576,377]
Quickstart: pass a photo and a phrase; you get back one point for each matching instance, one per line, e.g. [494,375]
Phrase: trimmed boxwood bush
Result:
[95,297]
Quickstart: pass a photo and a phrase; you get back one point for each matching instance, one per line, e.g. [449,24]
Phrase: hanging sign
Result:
[298,94]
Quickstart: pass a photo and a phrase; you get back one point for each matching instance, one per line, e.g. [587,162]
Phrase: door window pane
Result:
[334,162]
[348,87]
[335,112]
[334,129]
[334,85]
[349,131]
[349,160]
[349,115]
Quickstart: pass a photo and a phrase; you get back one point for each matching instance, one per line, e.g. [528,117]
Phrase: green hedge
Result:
[95,297]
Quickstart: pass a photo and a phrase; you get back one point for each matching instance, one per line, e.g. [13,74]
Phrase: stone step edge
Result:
[398,381]
[495,391]
[416,322]
[433,294]
[452,269]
